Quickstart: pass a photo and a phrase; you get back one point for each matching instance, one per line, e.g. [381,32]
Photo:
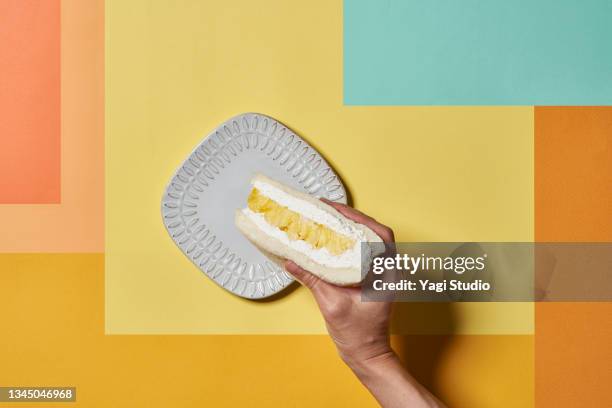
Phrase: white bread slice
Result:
[343,276]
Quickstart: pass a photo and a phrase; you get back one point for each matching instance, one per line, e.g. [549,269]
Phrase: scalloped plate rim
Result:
[174,175]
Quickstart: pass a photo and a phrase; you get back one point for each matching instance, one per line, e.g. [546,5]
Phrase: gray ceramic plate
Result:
[200,200]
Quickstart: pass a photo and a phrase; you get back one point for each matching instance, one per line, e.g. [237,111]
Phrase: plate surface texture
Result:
[200,200]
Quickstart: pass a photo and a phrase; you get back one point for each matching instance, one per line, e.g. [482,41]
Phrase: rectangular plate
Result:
[199,203]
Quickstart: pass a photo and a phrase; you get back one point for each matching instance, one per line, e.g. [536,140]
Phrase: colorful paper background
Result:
[30,102]
[472,52]
[172,72]
[76,224]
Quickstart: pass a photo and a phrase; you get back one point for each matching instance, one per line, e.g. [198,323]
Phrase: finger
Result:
[381,230]
[306,278]
[351,213]
[348,211]
[322,291]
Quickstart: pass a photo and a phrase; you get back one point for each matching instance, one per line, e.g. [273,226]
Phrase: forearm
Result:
[391,384]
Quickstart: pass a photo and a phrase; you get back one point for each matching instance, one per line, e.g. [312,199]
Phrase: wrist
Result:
[367,363]
[390,383]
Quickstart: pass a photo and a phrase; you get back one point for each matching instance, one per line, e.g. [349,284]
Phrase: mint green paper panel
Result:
[478,52]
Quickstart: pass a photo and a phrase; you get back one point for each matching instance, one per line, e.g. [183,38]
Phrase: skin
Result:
[360,331]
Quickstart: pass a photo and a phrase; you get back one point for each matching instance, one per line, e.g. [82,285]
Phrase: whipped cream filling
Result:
[348,259]
[310,211]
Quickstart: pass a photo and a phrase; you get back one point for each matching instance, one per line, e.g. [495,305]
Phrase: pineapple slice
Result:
[298,227]
[293,230]
[312,235]
[325,235]
[334,246]
[303,230]
[256,201]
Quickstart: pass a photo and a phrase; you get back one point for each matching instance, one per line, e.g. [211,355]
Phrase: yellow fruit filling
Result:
[298,227]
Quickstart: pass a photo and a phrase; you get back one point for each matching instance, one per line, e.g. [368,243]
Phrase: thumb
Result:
[306,278]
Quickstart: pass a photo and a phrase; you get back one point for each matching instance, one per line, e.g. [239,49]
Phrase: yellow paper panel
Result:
[174,71]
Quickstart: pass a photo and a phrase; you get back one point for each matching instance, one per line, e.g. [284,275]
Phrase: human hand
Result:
[360,330]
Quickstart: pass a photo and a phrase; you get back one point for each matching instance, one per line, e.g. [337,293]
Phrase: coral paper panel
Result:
[77,224]
[29,101]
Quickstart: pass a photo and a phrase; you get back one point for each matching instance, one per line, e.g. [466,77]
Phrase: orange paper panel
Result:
[573,202]
[29,101]
[573,355]
[573,174]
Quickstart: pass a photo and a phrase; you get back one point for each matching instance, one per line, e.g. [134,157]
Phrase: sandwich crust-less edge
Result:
[348,276]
